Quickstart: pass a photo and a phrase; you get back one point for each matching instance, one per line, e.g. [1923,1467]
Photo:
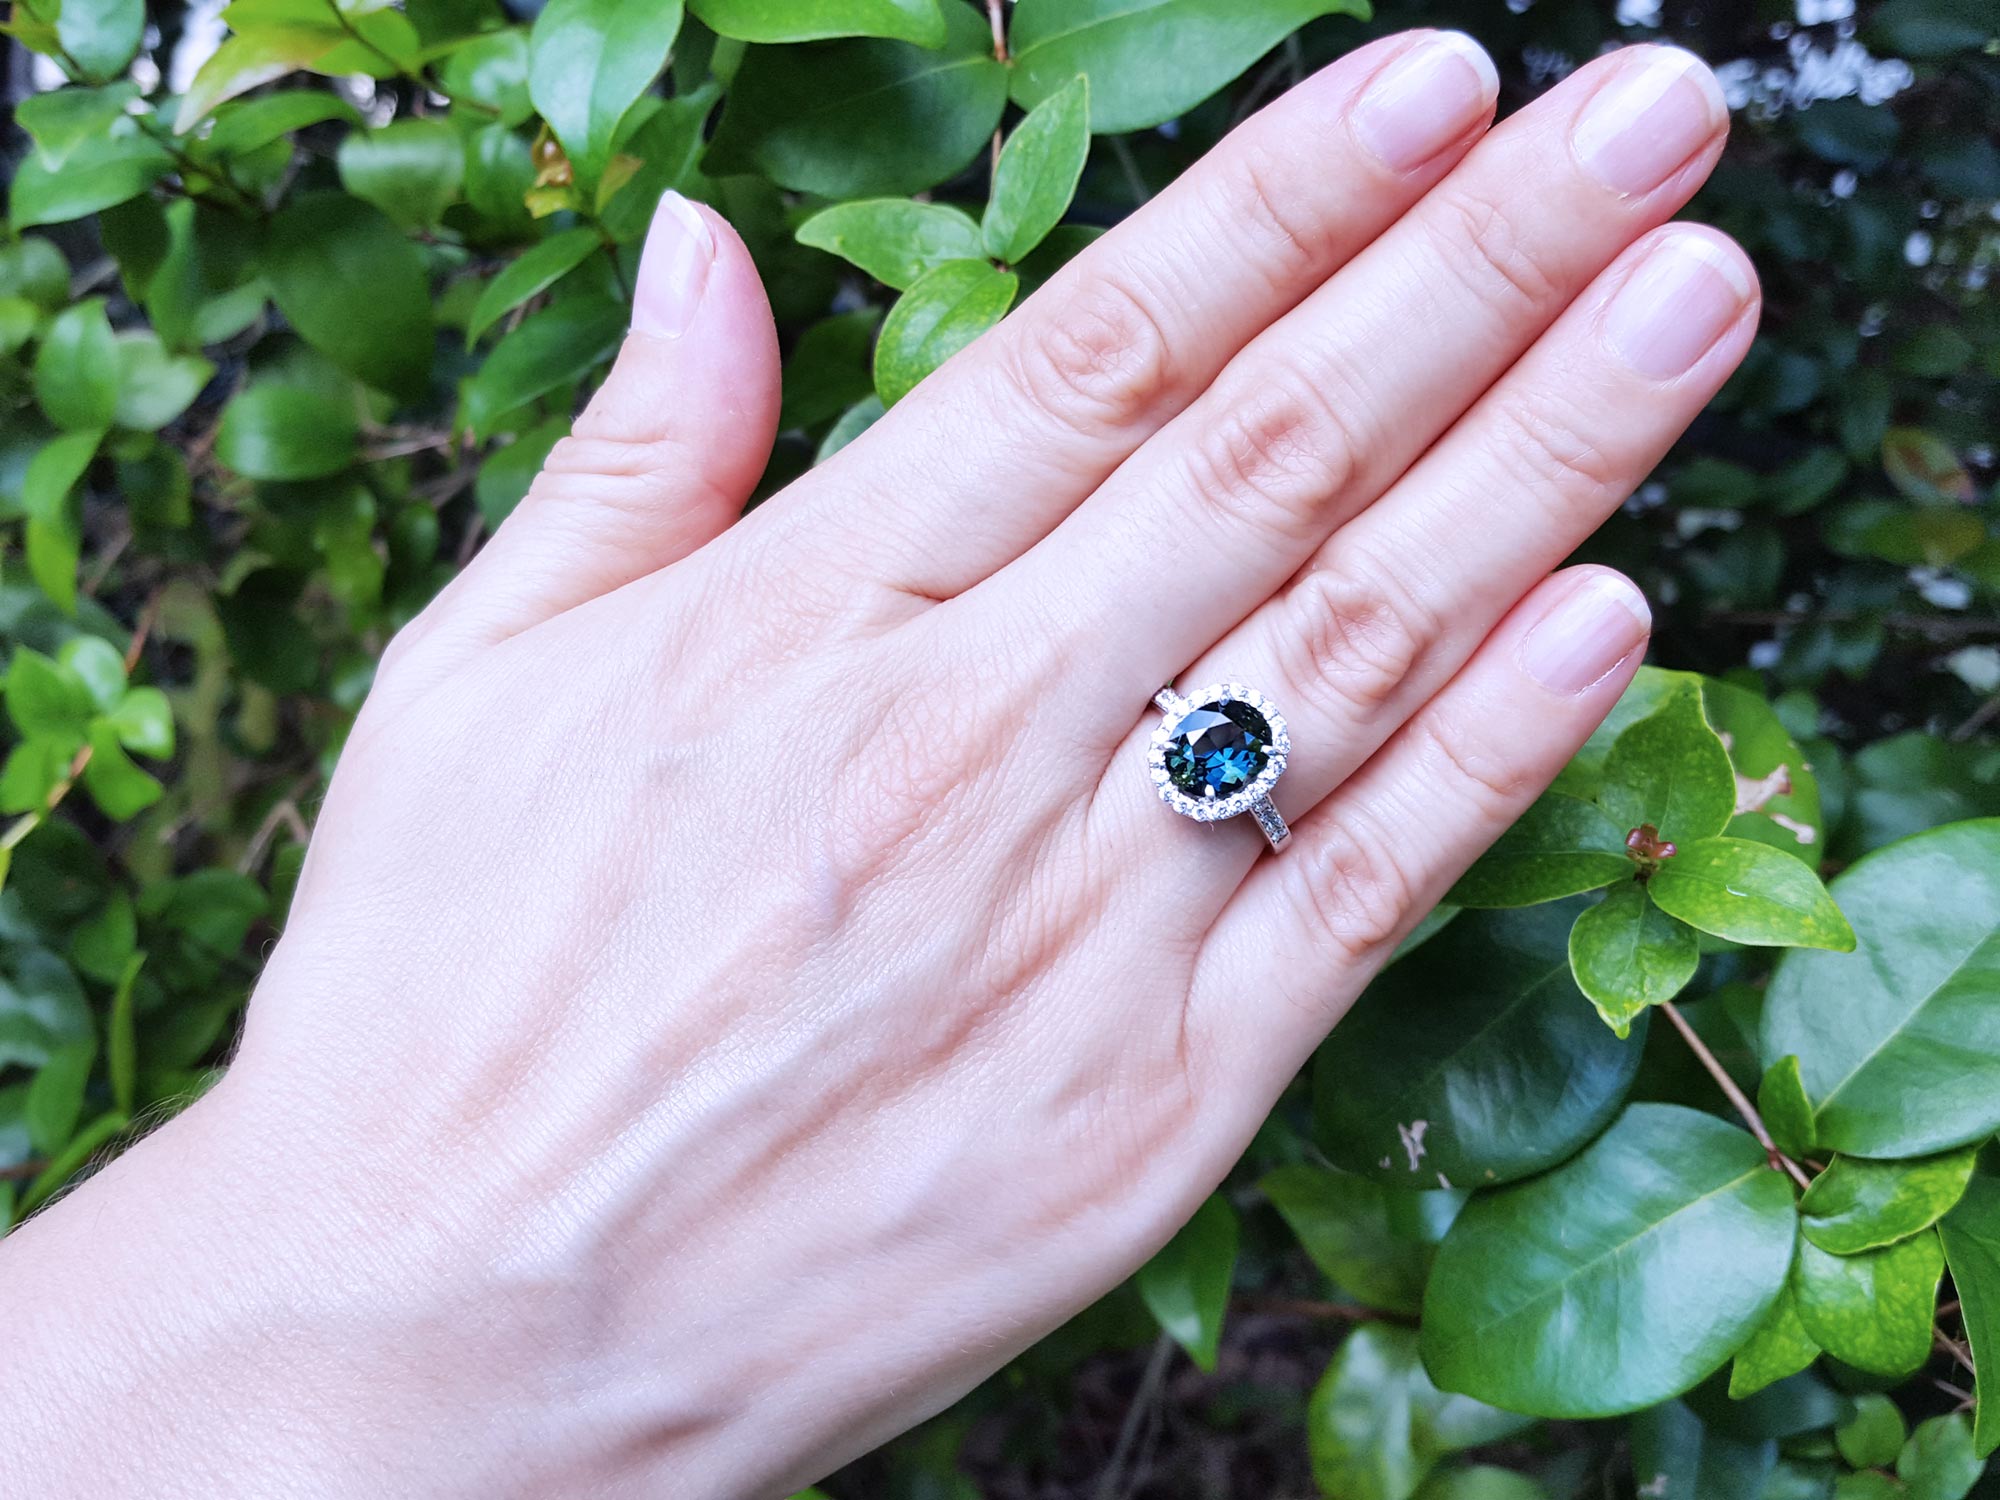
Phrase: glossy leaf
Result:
[144,722]
[529,274]
[1626,955]
[1971,1236]
[1376,1425]
[55,1095]
[63,119]
[282,432]
[1750,893]
[410,169]
[1037,173]
[46,699]
[101,35]
[1787,1112]
[1780,1347]
[1186,1285]
[1857,1204]
[353,287]
[918,21]
[94,176]
[1560,846]
[895,240]
[1676,1456]
[250,61]
[154,386]
[1777,790]
[1343,1224]
[588,62]
[252,124]
[1874,1434]
[558,345]
[944,310]
[508,472]
[1149,60]
[856,119]
[1939,1461]
[1671,1219]
[1473,1060]
[76,369]
[1899,1044]
[1670,770]
[492,70]
[1872,1310]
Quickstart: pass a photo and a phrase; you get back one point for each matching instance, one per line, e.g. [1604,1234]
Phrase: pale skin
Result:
[744,987]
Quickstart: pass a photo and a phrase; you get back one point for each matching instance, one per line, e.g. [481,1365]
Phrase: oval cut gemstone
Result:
[1217,749]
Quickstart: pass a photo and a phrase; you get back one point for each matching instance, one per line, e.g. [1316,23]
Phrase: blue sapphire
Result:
[1218,748]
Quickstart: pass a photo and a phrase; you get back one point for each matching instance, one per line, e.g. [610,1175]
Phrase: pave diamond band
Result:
[1218,753]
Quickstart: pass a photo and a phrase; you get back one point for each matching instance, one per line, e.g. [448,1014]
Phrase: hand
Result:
[744,987]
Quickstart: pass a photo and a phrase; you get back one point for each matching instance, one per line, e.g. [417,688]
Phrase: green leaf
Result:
[1899,1045]
[103,945]
[857,119]
[588,62]
[918,21]
[353,287]
[284,432]
[1780,1347]
[1560,846]
[1472,1060]
[507,473]
[944,310]
[560,344]
[154,386]
[851,423]
[55,1095]
[1671,770]
[98,665]
[1750,893]
[1149,60]
[828,371]
[491,70]
[1186,1285]
[252,124]
[95,175]
[46,699]
[1628,955]
[250,61]
[1857,1204]
[1037,174]
[1787,1112]
[1777,792]
[1872,1310]
[76,371]
[115,782]
[122,1049]
[667,146]
[1671,1219]
[1925,467]
[410,169]
[1874,1434]
[895,240]
[102,35]
[66,1163]
[529,274]
[1939,1461]
[1342,1223]
[64,119]
[1480,1482]
[1678,1456]
[1376,1425]
[1971,1235]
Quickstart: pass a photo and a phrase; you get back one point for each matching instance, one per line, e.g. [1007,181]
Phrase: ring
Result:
[1218,753]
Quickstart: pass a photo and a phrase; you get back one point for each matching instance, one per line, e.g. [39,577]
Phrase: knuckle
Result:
[1489,782]
[1352,891]
[1548,448]
[1503,270]
[1353,638]
[1101,362]
[1284,242]
[1276,454]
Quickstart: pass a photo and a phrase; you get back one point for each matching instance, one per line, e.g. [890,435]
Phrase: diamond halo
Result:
[1213,808]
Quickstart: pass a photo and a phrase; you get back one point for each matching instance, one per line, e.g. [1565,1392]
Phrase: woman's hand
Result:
[744,987]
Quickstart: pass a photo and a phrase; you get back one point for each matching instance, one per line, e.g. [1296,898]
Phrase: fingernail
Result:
[1589,631]
[1655,113]
[1671,310]
[1426,99]
[673,269]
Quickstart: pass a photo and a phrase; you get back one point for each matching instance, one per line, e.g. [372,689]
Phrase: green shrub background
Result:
[283,339]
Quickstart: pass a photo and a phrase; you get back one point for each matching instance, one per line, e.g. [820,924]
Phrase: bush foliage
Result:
[1678,1113]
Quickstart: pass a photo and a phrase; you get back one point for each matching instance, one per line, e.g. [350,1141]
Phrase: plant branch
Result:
[1111,1483]
[1736,1096]
[999,28]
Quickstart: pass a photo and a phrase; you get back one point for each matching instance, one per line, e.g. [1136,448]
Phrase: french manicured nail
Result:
[673,269]
[1426,99]
[1588,632]
[1671,310]
[1653,114]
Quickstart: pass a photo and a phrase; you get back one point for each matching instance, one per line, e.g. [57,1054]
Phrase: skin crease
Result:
[743,989]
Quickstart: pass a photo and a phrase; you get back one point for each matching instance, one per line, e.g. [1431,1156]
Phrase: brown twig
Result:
[1307,1307]
[1736,1096]
[1111,1483]
[999,27]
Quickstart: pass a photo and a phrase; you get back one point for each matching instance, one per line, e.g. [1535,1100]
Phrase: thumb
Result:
[661,461]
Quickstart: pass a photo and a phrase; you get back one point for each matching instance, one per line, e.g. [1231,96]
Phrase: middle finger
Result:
[1320,413]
